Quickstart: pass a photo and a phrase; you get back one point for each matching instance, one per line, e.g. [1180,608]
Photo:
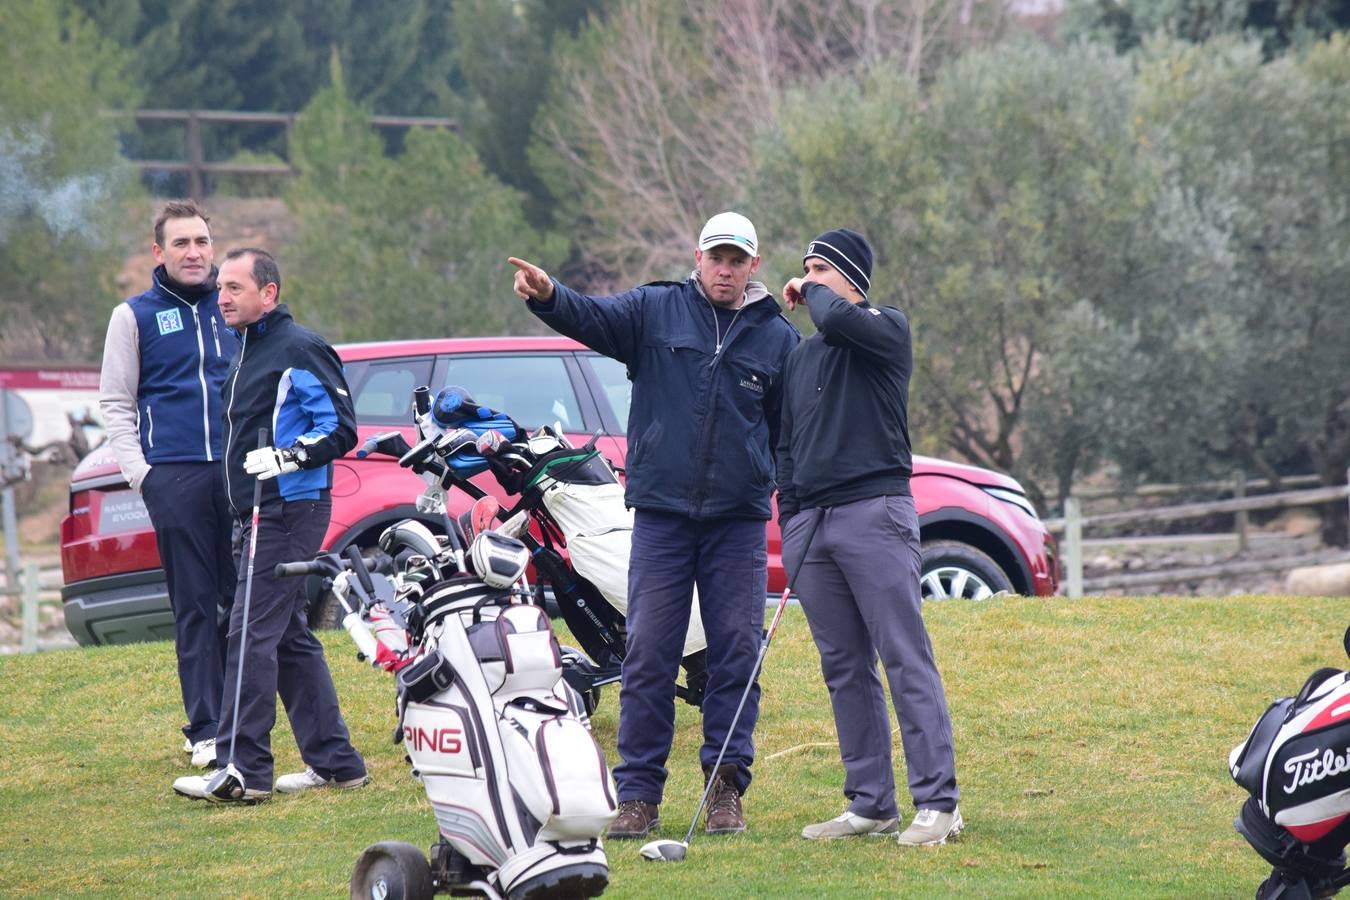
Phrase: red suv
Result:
[980,533]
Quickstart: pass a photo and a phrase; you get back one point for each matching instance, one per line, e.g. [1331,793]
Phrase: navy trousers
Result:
[282,656]
[728,560]
[859,586]
[193,525]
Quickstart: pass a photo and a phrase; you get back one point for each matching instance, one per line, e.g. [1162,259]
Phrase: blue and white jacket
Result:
[166,355]
[289,381]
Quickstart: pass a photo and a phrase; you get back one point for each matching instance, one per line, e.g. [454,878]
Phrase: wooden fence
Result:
[197,167]
[1072,525]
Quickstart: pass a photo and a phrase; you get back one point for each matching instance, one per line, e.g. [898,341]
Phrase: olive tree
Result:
[62,182]
[405,246]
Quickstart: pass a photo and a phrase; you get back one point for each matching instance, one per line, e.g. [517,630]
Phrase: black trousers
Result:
[193,524]
[282,656]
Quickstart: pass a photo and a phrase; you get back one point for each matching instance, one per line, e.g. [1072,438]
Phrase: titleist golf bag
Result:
[519,787]
[1296,766]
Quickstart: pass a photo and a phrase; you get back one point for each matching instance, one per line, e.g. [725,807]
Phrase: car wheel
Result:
[953,570]
[392,870]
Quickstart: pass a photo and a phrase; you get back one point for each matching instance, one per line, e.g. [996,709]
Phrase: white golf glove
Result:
[269,462]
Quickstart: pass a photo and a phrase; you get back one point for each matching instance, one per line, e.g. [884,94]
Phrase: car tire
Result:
[956,570]
[392,870]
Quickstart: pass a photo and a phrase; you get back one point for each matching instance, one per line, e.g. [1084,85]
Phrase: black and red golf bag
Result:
[1296,766]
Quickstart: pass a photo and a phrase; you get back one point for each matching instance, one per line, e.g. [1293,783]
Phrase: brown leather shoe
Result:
[636,818]
[725,815]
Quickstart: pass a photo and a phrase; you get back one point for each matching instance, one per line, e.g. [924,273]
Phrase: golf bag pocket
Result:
[558,773]
[426,678]
[440,740]
[1296,761]
[517,651]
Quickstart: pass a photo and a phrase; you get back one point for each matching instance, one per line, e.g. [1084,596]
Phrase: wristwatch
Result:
[300,454]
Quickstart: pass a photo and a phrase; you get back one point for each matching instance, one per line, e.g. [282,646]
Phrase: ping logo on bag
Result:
[437,740]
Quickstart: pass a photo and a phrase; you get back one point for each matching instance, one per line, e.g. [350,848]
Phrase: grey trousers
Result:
[859,587]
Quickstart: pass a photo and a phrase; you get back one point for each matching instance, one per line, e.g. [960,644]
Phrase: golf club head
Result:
[457,441]
[484,513]
[227,784]
[664,850]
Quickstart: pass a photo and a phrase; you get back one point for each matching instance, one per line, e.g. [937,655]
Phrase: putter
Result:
[666,850]
[228,783]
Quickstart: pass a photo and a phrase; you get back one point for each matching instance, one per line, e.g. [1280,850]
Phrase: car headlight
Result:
[1010,496]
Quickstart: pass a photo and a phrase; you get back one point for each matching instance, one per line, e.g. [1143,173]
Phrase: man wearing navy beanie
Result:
[851,534]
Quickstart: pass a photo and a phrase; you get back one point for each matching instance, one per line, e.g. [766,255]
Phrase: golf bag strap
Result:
[1314,681]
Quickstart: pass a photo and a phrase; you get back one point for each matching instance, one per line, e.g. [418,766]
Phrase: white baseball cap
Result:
[730,229]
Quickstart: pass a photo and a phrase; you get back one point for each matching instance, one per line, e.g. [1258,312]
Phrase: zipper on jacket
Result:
[201,377]
[215,333]
[229,414]
[149,428]
[201,370]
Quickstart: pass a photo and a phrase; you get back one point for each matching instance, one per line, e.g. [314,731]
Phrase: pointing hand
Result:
[532,282]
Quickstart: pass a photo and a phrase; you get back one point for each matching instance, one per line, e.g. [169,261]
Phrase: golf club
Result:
[228,783]
[666,850]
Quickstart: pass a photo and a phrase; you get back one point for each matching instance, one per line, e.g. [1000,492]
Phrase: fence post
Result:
[1240,519]
[1073,546]
[28,639]
[196,182]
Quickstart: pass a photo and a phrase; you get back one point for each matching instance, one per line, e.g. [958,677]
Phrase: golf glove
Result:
[269,462]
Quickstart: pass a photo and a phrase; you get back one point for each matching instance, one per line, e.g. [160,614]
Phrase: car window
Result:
[382,389]
[534,389]
[618,390]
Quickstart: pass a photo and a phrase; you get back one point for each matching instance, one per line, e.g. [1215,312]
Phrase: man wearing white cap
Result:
[705,356]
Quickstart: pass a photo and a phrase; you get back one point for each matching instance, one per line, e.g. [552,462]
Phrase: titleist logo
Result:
[1307,768]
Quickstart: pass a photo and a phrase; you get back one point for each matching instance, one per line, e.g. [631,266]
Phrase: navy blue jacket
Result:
[703,423]
[185,352]
[288,380]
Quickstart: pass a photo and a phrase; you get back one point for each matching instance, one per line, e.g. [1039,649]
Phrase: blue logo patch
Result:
[169,321]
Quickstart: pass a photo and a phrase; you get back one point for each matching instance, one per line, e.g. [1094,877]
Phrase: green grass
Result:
[1091,737]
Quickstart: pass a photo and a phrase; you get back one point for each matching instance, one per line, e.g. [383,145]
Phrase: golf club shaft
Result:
[754,674]
[248,595]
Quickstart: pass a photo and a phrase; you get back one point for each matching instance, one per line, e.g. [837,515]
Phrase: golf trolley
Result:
[574,500]
[499,740]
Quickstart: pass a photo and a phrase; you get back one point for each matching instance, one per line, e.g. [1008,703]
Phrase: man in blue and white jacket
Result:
[288,383]
[166,355]
[705,357]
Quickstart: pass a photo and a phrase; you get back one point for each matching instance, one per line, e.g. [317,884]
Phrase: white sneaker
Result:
[187,745]
[850,825]
[204,754]
[309,779]
[194,786]
[932,828]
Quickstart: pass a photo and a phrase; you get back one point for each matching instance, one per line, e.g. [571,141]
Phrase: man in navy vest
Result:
[166,355]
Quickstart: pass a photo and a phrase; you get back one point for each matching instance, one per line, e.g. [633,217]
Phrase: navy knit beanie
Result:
[848,252]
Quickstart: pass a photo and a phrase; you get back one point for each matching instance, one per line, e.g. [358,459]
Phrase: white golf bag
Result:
[585,499]
[519,787]
[501,744]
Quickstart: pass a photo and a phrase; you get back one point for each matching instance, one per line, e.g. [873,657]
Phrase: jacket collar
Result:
[269,322]
[188,293]
[755,291]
